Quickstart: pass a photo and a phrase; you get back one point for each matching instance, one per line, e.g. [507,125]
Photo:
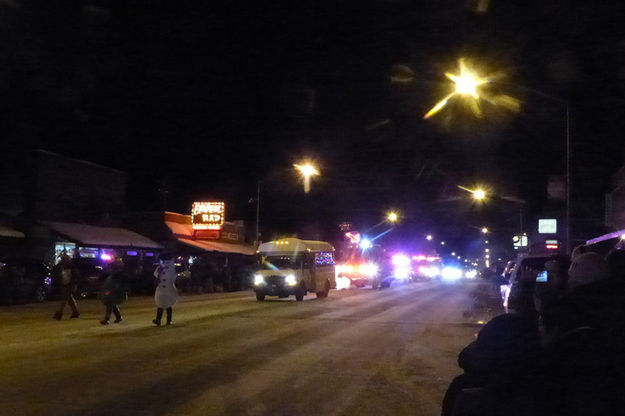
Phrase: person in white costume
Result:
[166,294]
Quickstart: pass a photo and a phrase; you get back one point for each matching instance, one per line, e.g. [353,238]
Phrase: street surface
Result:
[358,352]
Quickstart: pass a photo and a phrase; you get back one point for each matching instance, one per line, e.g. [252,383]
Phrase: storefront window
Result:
[88,252]
[131,253]
[63,247]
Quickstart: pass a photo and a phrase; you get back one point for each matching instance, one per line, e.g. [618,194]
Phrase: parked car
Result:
[517,291]
[24,280]
[91,273]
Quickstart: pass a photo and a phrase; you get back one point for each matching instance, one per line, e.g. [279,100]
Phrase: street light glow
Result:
[484,230]
[479,194]
[429,237]
[392,217]
[466,83]
[306,170]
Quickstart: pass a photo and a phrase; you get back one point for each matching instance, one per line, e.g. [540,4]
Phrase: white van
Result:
[294,267]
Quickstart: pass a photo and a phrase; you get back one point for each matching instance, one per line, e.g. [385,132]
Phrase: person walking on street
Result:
[114,292]
[166,294]
[68,277]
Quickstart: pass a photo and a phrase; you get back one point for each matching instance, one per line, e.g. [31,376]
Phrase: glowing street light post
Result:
[392,217]
[306,170]
[479,194]
[466,84]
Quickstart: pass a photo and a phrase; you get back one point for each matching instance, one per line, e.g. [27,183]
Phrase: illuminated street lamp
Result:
[467,83]
[392,217]
[306,170]
[484,230]
[429,237]
[479,194]
[442,243]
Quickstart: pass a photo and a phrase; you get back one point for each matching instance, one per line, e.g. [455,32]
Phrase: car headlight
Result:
[258,279]
[451,274]
[470,274]
[290,280]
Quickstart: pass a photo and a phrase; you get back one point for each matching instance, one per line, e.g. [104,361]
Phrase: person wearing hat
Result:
[166,294]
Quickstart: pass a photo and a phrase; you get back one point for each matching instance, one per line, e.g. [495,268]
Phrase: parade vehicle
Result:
[362,267]
[295,267]
[426,267]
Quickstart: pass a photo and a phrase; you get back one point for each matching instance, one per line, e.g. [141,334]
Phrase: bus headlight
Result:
[258,280]
[290,280]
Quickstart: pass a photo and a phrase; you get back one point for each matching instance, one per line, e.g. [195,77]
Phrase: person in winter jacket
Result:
[500,368]
[166,294]
[114,292]
[584,357]
[67,273]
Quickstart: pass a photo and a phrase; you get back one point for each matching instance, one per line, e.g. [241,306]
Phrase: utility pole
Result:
[256,239]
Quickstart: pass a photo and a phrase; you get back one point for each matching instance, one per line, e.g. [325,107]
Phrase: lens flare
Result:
[467,84]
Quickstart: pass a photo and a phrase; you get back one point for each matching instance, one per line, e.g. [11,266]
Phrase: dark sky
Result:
[202,99]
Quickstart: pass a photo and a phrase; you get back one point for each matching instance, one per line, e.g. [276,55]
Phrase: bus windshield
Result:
[281,262]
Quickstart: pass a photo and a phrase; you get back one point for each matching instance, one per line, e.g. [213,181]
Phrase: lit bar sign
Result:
[208,215]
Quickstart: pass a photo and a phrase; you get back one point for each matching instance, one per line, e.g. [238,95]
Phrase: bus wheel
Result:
[260,296]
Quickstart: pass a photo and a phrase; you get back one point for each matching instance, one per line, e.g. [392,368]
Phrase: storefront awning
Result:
[219,246]
[90,235]
[180,229]
[10,232]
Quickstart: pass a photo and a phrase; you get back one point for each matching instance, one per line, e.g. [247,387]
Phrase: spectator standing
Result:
[67,274]
[583,359]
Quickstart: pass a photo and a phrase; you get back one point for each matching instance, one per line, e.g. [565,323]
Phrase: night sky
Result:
[198,100]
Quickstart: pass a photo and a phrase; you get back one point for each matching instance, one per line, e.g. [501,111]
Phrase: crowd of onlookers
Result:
[559,351]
